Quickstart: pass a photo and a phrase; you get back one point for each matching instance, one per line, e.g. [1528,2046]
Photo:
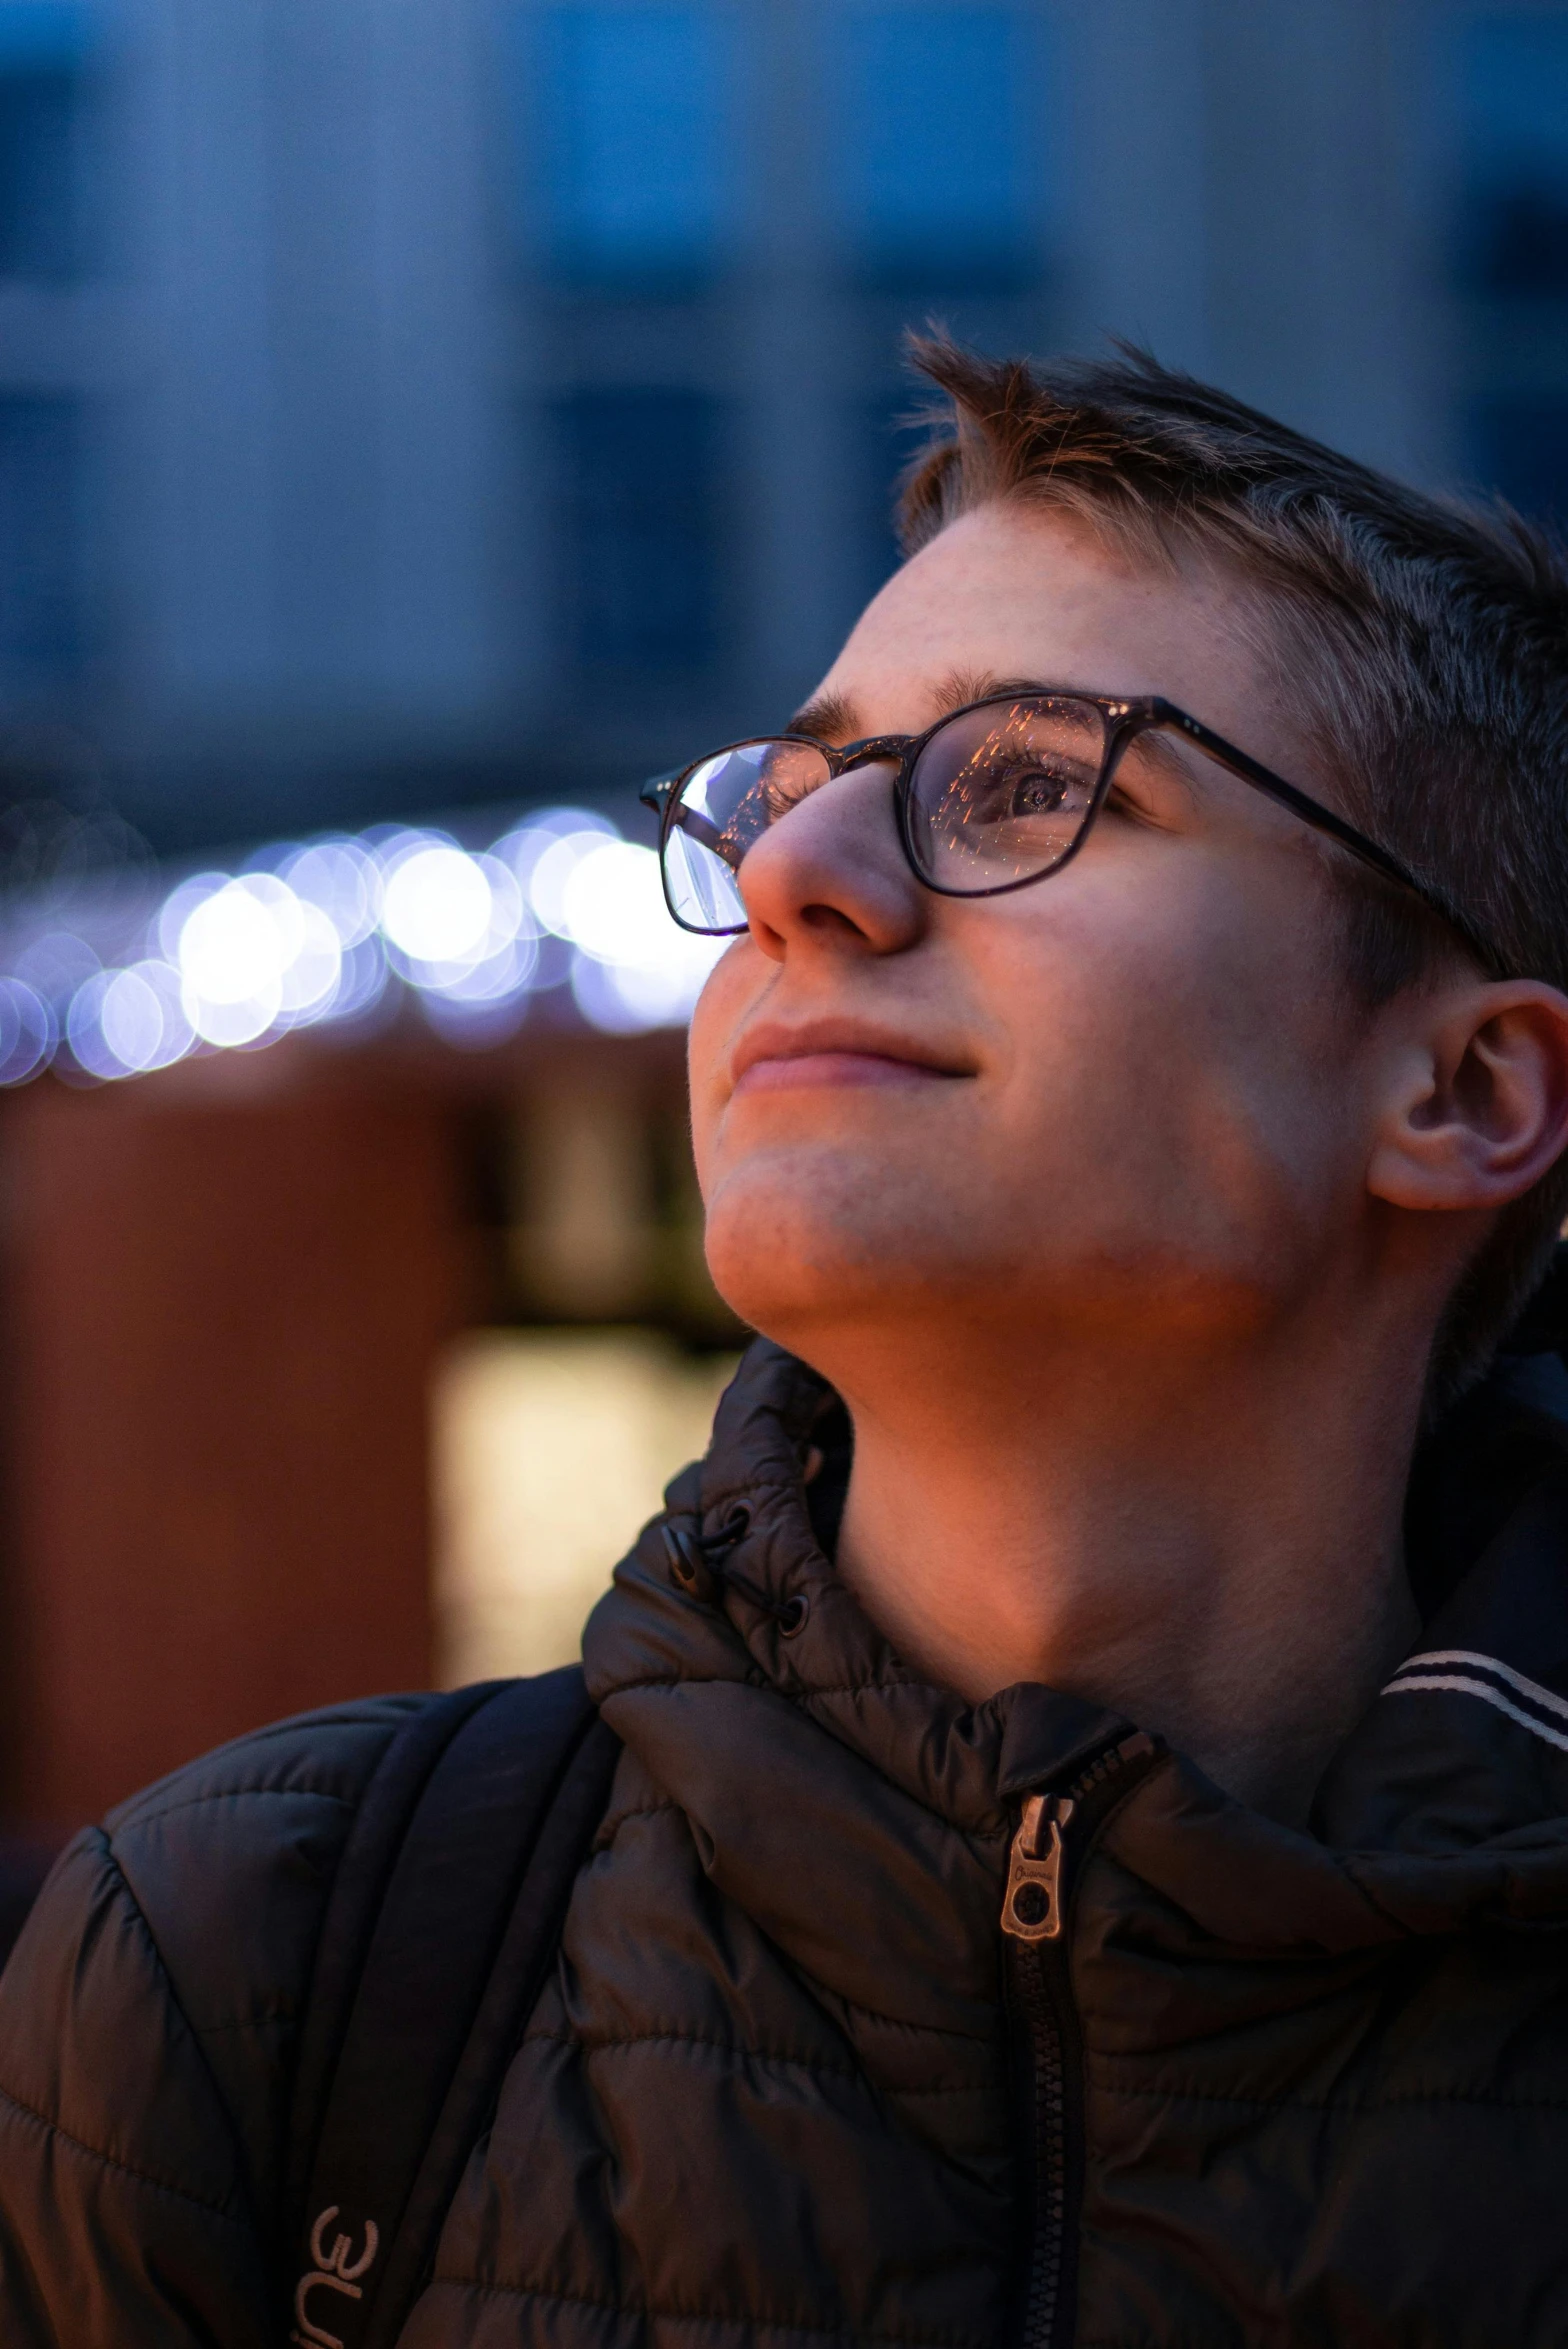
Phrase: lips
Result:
[774,1057]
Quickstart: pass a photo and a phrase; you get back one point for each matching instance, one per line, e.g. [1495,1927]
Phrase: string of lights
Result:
[107,983]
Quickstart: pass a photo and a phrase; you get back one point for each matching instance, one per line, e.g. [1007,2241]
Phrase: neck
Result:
[1217,1557]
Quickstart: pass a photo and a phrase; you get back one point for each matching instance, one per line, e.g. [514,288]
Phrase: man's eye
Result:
[1023,787]
[1037,793]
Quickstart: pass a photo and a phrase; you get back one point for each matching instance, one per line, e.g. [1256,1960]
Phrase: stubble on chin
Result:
[814,1237]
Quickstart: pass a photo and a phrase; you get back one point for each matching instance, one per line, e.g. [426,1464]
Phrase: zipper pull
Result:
[1032,1910]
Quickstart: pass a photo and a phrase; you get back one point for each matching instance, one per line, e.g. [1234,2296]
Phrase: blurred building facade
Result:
[327,1372]
[413,406]
[409,403]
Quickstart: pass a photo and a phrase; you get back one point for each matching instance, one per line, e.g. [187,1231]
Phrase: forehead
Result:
[1011,592]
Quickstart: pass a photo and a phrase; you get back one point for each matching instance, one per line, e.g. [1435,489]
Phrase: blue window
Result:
[43,51]
[640,522]
[935,152]
[1519,447]
[40,544]
[629,120]
[1511,100]
[1505,148]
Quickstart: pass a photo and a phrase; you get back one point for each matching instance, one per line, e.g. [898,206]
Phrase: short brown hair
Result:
[1424,643]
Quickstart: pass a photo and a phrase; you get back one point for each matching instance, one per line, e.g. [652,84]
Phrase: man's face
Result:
[1131,1093]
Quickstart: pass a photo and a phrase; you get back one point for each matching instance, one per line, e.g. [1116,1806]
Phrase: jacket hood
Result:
[1446,1808]
[963,1761]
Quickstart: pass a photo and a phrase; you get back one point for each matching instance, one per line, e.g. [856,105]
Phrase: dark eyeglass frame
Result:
[1124,721]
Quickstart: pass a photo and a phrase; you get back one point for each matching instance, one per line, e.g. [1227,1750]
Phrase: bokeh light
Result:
[234,947]
[27,1032]
[436,905]
[121,1023]
[342,879]
[319,931]
[550,874]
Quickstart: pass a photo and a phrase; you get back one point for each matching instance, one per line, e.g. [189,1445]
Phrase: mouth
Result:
[773,1058]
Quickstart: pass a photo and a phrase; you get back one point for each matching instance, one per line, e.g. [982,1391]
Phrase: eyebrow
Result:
[833,718]
[961,686]
[828,717]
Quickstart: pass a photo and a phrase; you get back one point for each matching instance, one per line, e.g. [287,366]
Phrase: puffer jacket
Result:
[790,2082]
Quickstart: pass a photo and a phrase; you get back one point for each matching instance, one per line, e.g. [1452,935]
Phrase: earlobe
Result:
[1478,1107]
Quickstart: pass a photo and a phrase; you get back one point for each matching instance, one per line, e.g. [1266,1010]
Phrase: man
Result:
[1133,1107]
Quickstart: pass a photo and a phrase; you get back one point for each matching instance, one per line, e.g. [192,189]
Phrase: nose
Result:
[832,873]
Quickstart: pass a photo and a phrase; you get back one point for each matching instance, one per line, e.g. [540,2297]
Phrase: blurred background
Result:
[419,421]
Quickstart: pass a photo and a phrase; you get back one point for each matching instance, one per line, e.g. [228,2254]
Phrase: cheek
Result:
[1172,1067]
[1086,1098]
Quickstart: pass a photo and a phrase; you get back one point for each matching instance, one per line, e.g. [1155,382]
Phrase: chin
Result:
[808,1240]
[829,1257]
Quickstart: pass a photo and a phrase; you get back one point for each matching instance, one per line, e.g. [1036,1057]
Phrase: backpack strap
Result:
[445,1913]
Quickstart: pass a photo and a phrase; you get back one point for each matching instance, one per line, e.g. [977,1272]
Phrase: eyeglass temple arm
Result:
[1323,819]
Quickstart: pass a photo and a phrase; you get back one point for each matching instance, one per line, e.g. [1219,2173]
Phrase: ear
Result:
[1478,1107]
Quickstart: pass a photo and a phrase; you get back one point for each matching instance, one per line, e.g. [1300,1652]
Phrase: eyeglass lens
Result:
[998,795]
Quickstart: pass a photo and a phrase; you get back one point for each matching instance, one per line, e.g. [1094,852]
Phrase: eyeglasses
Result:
[999,795]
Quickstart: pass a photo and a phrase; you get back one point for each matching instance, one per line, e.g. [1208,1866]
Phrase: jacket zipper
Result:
[1034,1920]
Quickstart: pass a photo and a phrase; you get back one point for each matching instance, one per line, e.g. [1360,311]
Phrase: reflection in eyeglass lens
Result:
[725,806]
[732,799]
[1007,788]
